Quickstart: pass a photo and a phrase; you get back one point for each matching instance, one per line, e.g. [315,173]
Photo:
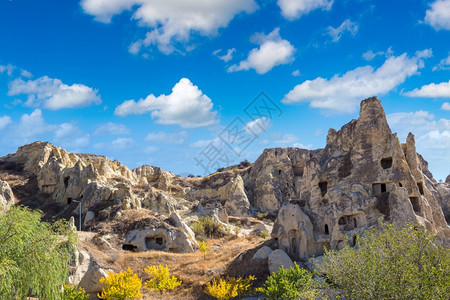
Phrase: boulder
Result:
[6,196]
[278,259]
[90,215]
[262,253]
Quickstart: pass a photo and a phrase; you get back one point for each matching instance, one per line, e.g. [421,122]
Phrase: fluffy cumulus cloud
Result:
[273,51]
[5,121]
[112,128]
[438,15]
[445,106]
[257,126]
[294,9]
[369,55]
[8,69]
[342,93]
[346,26]
[186,106]
[29,128]
[69,136]
[444,64]
[162,137]
[53,93]
[171,21]
[432,90]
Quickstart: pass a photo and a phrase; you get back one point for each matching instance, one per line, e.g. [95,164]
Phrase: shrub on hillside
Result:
[121,286]
[292,283]
[229,287]
[207,227]
[162,279]
[391,263]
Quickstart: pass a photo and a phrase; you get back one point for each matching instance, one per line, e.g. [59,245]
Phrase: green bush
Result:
[72,292]
[264,234]
[207,227]
[34,255]
[391,263]
[293,283]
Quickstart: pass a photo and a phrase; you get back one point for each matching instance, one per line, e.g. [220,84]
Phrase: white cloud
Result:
[342,93]
[186,106]
[26,74]
[286,139]
[301,146]
[69,136]
[293,9]
[273,51]
[296,73]
[117,145]
[171,21]
[9,69]
[112,128]
[444,64]
[229,56]
[432,137]
[53,93]
[369,55]
[438,16]
[162,137]
[29,128]
[257,127]
[432,90]
[5,121]
[445,106]
[346,26]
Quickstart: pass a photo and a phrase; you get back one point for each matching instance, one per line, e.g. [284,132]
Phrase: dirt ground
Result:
[228,256]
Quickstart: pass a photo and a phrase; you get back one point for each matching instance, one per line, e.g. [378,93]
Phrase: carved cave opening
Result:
[128,247]
[415,204]
[400,184]
[420,186]
[298,171]
[154,243]
[66,181]
[69,200]
[323,187]
[327,231]
[379,188]
[386,163]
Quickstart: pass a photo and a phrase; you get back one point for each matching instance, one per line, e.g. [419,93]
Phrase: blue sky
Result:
[174,83]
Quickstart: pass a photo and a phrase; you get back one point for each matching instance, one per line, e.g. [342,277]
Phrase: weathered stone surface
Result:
[90,215]
[362,174]
[278,259]
[6,196]
[447,180]
[262,253]
[86,273]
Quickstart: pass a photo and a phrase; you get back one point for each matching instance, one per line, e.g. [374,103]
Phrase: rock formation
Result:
[6,196]
[320,198]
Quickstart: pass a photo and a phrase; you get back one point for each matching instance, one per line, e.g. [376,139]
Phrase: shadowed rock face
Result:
[322,198]
[330,196]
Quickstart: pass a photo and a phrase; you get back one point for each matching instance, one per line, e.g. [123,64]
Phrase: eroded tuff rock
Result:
[329,196]
[321,198]
[6,196]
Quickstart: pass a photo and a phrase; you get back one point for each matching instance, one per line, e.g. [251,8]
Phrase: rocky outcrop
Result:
[6,196]
[329,196]
[279,259]
[262,253]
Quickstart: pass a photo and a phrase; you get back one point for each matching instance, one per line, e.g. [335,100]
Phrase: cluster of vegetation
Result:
[34,255]
[207,227]
[390,263]
[229,287]
[127,284]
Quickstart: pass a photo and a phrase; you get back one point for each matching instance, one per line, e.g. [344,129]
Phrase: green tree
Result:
[391,263]
[73,292]
[121,286]
[162,280]
[34,255]
[292,283]
[203,247]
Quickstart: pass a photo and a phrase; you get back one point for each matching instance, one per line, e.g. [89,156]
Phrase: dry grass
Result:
[191,268]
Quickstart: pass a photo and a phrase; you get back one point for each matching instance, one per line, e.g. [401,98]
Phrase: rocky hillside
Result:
[318,198]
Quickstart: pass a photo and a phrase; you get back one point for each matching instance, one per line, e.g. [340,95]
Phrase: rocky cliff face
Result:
[321,198]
